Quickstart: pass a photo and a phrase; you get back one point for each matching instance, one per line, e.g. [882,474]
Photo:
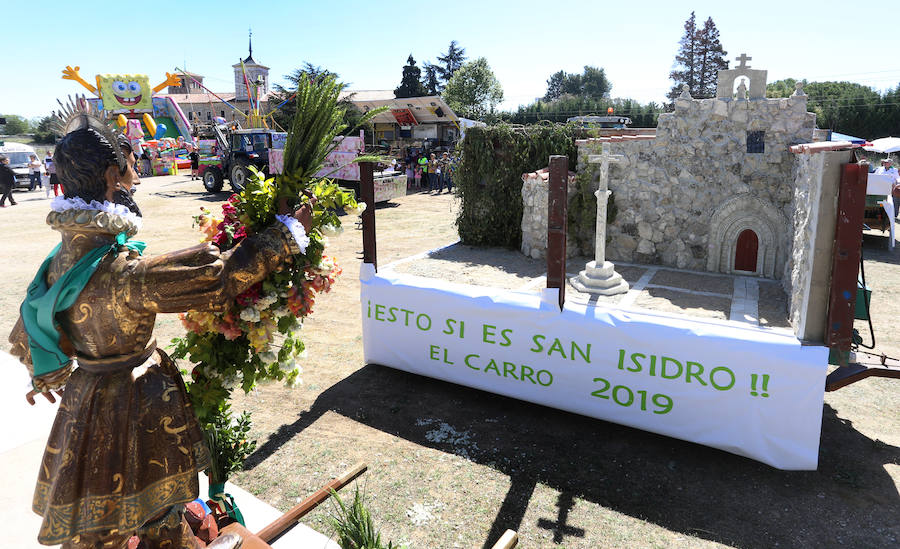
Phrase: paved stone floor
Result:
[745,299]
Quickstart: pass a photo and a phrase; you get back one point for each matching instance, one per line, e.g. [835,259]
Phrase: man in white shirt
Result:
[887,168]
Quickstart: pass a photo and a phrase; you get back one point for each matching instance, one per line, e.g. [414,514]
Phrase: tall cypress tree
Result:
[410,83]
[712,59]
[450,62]
[431,82]
[699,59]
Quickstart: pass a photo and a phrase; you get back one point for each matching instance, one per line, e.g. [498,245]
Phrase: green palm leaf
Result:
[312,136]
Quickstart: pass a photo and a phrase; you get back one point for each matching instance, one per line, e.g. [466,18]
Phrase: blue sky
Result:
[367,43]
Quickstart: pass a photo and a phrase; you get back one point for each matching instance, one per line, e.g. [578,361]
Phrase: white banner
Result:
[751,391]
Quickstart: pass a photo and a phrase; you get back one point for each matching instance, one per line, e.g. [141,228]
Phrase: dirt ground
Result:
[455,467]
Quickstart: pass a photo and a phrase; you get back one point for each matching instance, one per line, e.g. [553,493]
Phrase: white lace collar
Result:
[62,204]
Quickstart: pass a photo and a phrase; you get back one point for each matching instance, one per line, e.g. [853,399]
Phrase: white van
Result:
[19,155]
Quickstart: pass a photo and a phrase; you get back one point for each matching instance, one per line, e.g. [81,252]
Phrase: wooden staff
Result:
[287,521]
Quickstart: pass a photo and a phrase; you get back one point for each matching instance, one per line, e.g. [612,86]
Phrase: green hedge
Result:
[489,177]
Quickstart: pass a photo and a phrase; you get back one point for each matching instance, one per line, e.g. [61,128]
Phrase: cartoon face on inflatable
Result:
[125,92]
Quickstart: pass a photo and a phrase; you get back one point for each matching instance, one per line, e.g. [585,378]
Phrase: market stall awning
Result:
[837,136]
[425,110]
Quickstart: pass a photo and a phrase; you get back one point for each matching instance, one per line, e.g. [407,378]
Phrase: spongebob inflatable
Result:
[122,93]
[129,96]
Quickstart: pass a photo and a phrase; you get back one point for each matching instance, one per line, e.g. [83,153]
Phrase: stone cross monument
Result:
[599,276]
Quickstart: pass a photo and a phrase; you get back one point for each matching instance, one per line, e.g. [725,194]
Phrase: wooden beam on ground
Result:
[288,520]
[557,204]
[367,195]
[508,540]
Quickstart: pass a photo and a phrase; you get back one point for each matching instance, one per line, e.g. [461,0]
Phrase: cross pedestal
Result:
[599,277]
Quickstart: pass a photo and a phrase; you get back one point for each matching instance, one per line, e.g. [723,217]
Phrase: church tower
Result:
[256,74]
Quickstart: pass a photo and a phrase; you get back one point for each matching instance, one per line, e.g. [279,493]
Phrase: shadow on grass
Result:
[202,195]
[677,485]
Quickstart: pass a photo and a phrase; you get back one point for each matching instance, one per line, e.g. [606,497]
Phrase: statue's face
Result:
[121,187]
[125,92]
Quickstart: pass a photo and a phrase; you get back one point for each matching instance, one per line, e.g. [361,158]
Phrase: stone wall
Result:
[535,212]
[808,274]
[669,190]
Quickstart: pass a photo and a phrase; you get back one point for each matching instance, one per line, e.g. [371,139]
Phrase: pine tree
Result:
[686,58]
[555,85]
[699,60]
[431,82]
[712,59]
[450,62]
[410,83]
[285,114]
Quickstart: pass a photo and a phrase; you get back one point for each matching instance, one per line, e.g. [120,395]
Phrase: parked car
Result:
[19,155]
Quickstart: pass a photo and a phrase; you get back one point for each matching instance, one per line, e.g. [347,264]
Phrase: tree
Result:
[15,124]
[846,107]
[430,82]
[592,83]
[43,132]
[555,86]
[285,115]
[567,106]
[712,59]
[450,62]
[698,60]
[410,83]
[474,91]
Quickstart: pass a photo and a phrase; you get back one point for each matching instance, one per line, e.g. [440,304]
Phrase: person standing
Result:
[889,170]
[433,173]
[423,167]
[7,182]
[445,173]
[195,163]
[34,170]
[45,182]
[51,169]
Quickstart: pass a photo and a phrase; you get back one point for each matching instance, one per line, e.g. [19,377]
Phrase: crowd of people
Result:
[432,171]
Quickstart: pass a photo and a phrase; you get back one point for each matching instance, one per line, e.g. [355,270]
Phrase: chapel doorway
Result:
[746,251]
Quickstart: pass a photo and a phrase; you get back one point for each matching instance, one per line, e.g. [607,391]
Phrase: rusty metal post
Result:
[367,195]
[845,262]
[557,205]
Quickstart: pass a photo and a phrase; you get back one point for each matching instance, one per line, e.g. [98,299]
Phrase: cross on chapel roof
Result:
[727,77]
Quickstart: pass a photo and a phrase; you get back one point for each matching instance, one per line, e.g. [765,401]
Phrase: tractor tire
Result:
[212,180]
[239,175]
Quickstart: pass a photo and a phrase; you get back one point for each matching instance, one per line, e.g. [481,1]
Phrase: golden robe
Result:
[125,445]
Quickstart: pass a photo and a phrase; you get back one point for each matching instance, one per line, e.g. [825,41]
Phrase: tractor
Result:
[237,149]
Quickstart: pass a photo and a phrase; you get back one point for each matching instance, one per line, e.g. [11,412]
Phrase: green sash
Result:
[42,303]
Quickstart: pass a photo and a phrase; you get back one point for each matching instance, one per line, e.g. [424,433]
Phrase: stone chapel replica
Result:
[714,190]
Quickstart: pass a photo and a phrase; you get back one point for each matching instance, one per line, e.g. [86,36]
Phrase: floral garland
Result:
[256,337]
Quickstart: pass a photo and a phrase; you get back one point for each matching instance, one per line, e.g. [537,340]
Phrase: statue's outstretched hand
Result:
[303,214]
[29,396]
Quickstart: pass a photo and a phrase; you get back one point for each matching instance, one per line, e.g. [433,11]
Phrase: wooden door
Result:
[745,251]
